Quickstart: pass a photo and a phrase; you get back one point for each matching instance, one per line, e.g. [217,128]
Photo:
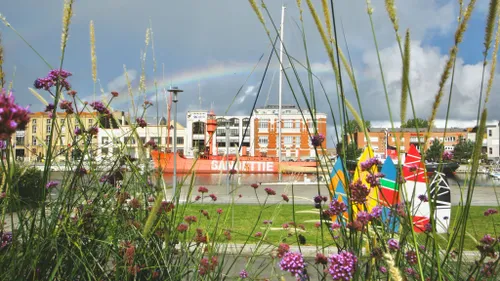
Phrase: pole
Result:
[175,90]
[280,91]
[227,157]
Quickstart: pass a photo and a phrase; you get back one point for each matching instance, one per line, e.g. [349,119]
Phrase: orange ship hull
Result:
[216,164]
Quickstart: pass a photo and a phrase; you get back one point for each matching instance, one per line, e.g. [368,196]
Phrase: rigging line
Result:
[256,98]
[270,87]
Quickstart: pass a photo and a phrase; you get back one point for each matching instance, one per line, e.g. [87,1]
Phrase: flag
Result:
[392,152]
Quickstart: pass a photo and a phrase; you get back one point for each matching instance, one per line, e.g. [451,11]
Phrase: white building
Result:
[229,129]
[493,141]
[111,141]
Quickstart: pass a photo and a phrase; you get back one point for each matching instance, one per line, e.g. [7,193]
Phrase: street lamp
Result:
[175,90]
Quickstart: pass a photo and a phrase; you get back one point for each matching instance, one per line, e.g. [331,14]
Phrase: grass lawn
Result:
[247,222]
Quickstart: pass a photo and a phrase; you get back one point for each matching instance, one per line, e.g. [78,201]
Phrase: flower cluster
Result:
[12,116]
[447,155]
[490,212]
[100,107]
[51,184]
[141,122]
[182,227]
[190,219]
[411,257]
[285,197]
[293,263]
[336,208]
[243,274]
[6,239]
[67,106]
[319,199]
[317,140]
[393,244]
[54,77]
[283,248]
[342,266]
[207,265]
[359,192]
[202,189]
[270,191]
[374,179]
[151,143]
[368,164]
[255,185]
[363,217]
[213,196]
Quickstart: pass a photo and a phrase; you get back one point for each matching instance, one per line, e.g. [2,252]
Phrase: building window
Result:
[235,132]
[221,122]
[221,132]
[235,122]
[49,121]
[180,140]
[19,140]
[263,123]
[49,128]
[297,124]
[104,140]
[33,140]
[62,140]
[449,139]
[33,129]
[104,151]
[156,140]
[490,150]
[288,124]
[199,128]
[143,140]
[246,122]
[490,133]
[374,139]
[33,121]
[63,129]
[47,138]
[288,140]
[297,140]
[116,150]
[263,140]
[91,121]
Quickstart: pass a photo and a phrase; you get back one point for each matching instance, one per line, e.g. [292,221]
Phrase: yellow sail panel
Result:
[359,174]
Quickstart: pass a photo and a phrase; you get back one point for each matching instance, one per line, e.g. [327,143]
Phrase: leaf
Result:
[38,96]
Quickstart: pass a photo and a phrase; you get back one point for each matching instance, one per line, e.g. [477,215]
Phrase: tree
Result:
[413,123]
[463,150]
[353,126]
[433,154]
[352,152]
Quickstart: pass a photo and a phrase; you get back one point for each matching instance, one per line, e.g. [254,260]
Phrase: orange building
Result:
[379,138]
[295,132]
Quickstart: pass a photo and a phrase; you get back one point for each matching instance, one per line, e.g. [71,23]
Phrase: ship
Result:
[206,163]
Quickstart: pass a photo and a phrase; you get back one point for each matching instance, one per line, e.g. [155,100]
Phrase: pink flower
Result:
[293,263]
[12,116]
[202,189]
[182,227]
[219,211]
[270,191]
[114,94]
[254,185]
[141,122]
[214,198]
[258,234]
[285,197]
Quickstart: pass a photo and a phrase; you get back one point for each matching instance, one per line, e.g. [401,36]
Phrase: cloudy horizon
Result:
[214,50]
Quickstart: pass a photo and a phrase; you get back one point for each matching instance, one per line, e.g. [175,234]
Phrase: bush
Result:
[28,189]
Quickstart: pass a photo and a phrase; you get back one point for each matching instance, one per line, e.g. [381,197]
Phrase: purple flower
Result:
[363,217]
[382,269]
[285,197]
[67,106]
[93,131]
[12,116]
[54,77]
[78,131]
[243,274]
[359,192]
[376,212]
[6,239]
[336,208]
[393,244]
[342,266]
[317,140]
[423,198]
[335,226]
[100,107]
[50,107]
[447,155]
[293,262]
[3,145]
[411,257]
[490,212]
[51,184]
[141,122]
[368,164]
[373,180]
[270,191]
[487,239]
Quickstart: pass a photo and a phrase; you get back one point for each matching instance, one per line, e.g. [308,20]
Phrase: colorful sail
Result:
[441,194]
[361,175]
[415,187]
[339,184]
[389,194]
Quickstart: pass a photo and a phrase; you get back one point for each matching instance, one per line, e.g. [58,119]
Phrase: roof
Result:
[413,130]
[61,114]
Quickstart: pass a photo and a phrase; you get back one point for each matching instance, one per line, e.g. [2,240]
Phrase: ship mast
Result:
[280,90]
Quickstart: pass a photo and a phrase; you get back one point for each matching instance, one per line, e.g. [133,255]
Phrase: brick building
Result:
[380,138]
[296,128]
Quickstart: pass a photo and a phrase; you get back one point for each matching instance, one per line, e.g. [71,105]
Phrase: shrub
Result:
[27,187]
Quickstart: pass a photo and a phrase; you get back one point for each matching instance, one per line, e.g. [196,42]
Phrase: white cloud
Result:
[120,83]
[249,92]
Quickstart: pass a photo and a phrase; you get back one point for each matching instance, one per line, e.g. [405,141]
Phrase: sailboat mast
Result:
[280,90]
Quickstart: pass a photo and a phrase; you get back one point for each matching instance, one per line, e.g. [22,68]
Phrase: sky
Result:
[216,51]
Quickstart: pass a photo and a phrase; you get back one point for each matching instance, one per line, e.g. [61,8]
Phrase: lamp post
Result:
[175,91]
